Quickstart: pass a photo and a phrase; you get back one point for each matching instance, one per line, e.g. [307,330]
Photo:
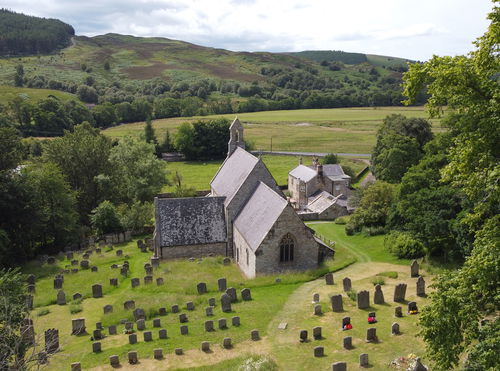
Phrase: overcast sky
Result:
[414,29]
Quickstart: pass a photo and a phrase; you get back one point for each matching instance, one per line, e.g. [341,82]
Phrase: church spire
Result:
[235,137]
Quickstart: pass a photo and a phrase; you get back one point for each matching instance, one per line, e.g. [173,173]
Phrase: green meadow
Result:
[8,93]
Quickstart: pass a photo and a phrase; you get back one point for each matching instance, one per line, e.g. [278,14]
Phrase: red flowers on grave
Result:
[372,320]
[347,326]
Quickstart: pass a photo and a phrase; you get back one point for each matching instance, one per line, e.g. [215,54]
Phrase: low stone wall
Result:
[194,251]
[308,216]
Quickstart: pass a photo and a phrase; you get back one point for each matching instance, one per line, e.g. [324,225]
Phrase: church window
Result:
[247,256]
[287,245]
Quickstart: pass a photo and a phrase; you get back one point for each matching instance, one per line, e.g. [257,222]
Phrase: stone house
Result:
[245,216]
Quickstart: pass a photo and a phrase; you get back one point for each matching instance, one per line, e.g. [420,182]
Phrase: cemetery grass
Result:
[338,130]
[198,174]
[180,278]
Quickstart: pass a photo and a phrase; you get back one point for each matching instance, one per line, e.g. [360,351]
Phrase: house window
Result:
[286,248]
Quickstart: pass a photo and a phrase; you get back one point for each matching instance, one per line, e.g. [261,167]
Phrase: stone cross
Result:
[378,297]
[202,288]
[96,291]
[336,301]
[414,268]
[246,295]
[400,292]
[225,301]
[420,286]
[329,278]
[363,299]
[346,282]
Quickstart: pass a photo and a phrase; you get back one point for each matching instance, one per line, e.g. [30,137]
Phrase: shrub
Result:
[43,312]
[330,158]
[404,245]
[342,220]
[374,231]
[352,294]
[389,274]
[378,281]
[75,308]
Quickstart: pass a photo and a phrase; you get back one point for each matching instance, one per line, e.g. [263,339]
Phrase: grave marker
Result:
[346,282]
[336,301]
[363,299]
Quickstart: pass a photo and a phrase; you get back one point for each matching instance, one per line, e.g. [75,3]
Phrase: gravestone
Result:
[190,305]
[400,292]
[329,278]
[209,311]
[222,284]
[98,325]
[76,366]
[148,280]
[135,282]
[162,334]
[96,347]
[139,314]
[175,308]
[232,293]
[222,324]
[78,326]
[74,262]
[211,302]
[319,351]
[226,343]
[235,321]
[346,321]
[225,301]
[61,297]
[317,310]
[149,270]
[32,289]
[93,268]
[86,256]
[346,282]
[339,366]
[139,244]
[148,336]
[398,312]
[303,336]
[141,324]
[414,269]
[51,340]
[371,335]
[129,326]
[97,334]
[420,286]
[129,304]
[202,288]
[31,279]
[98,250]
[132,339]
[205,346]
[162,311]
[155,261]
[113,281]
[254,335]
[317,333]
[132,357]
[124,270]
[347,342]
[156,322]
[209,326]
[418,366]
[315,298]
[58,283]
[246,295]
[363,360]
[378,297]
[112,330]
[159,281]
[42,357]
[84,264]
[29,302]
[119,252]
[336,301]
[226,261]
[363,299]
[183,318]
[184,330]
[412,307]
[158,353]
[96,291]
[114,361]
[27,332]
[114,266]
[178,351]
[395,329]
[107,309]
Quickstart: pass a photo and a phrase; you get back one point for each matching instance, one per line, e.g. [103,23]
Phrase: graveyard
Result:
[111,307]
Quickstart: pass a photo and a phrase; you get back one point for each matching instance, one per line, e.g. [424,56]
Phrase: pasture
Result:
[8,93]
[338,130]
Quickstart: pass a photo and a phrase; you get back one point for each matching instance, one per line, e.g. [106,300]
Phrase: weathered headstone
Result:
[31,279]
[32,289]
[162,334]
[317,310]
[129,304]
[211,302]
[135,282]
[159,281]
[162,311]
[148,280]
[254,335]
[78,326]
[157,322]
[226,343]
[155,261]
[398,312]
[414,268]
[222,324]
[93,268]
[209,311]
[329,278]
[339,366]
[226,261]
[175,308]
[113,281]
[178,351]
[183,318]
[158,353]
[400,292]
[209,326]
[395,328]
[139,314]
[319,351]
[232,293]
[184,330]
[202,288]
[315,298]
[363,299]
[112,330]
[222,284]
[141,324]
[132,338]
[205,346]
[303,336]
[225,301]
[378,297]
[86,256]
[420,286]
[235,321]
[190,305]
[412,307]
[61,297]
[347,342]
[114,361]
[84,264]
[148,336]
[58,283]
[96,347]
[317,333]
[346,282]
[371,335]
[246,294]
[132,357]
[149,270]
[51,340]
[107,309]
[96,291]
[336,301]
[76,366]
[363,360]
[97,334]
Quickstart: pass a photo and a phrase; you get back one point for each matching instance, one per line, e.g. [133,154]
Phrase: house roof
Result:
[304,173]
[334,172]
[259,215]
[233,172]
[321,201]
[190,221]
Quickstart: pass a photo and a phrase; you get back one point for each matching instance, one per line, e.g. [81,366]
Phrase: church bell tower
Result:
[235,137]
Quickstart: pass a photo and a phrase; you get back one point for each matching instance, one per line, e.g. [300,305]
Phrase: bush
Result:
[352,294]
[404,245]
[374,231]
[389,274]
[342,220]
[75,308]
[350,229]
[378,281]
[43,312]
[330,158]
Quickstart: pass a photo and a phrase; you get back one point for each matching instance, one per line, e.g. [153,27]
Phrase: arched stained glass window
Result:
[287,245]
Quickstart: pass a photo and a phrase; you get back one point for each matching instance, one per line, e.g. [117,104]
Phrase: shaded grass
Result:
[8,93]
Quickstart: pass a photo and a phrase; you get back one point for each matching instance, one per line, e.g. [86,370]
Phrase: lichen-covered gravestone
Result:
[225,301]
[400,292]
[329,278]
[78,326]
[222,284]
[202,288]
[232,293]
[61,297]
[346,282]
[363,299]
[51,340]
[96,291]
[414,268]
[336,301]
[246,295]
[420,286]
[378,297]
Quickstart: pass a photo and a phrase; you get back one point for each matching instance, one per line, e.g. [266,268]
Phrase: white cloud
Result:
[403,28]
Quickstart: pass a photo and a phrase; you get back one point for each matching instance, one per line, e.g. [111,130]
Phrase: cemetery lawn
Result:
[339,130]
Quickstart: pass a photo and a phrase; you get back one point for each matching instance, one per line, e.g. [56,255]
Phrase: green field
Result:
[8,93]
[344,130]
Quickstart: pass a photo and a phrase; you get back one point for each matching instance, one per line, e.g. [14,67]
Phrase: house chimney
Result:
[319,169]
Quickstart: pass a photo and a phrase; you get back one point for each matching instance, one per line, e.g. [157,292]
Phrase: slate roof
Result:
[259,215]
[334,172]
[321,201]
[233,173]
[304,173]
[190,221]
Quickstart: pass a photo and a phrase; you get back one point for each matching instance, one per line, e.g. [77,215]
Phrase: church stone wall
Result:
[241,249]
[194,251]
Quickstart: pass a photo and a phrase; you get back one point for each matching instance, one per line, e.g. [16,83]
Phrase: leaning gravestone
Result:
[378,297]
[420,286]
[96,291]
[61,297]
[336,301]
[202,288]
[329,278]
[225,301]
[222,284]
[232,293]
[129,304]
[78,326]
[400,292]
[51,340]
[363,299]
[246,295]
[414,268]
[371,335]
[139,314]
[346,282]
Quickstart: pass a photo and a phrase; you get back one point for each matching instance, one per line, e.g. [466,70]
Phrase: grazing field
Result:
[344,130]
[272,303]
[8,93]
[198,174]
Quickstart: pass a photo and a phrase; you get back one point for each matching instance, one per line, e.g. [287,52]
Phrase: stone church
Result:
[246,216]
